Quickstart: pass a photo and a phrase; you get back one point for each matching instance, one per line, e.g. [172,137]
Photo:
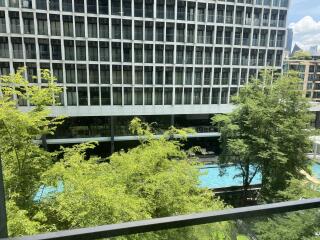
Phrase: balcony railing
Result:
[144,226]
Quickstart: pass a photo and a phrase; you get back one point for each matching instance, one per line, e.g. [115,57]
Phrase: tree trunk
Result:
[3,212]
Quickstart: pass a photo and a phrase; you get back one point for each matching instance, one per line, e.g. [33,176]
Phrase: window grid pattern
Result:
[147,52]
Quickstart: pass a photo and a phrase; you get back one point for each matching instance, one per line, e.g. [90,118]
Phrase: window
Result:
[81,50]
[82,73]
[103,28]
[79,22]
[104,51]
[138,31]
[44,48]
[71,96]
[187,95]
[91,6]
[158,96]
[104,74]
[55,25]
[188,76]
[116,52]
[179,76]
[169,54]
[138,75]
[92,28]
[127,96]
[116,75]
[56,49]
[14,22]
[168,96]
[93,51]
[148,93]
[94,96]
[127,52]
[42,24]
[68,26]
[17,47]
[206,96]
[169,76]
[138,53]
[78,6]
[105,96]
[159,54]
[58,72]
[103,7]
[138,96]
[197,96]
[117,96]
[178,96]
[126,30]
[127,75]
[69,50]
[70,73]
[41,4]
[83,96]
[30,48]
[198,77]
[148,53]
[67,5]
[148,75]
[28,24]
[159,75]
[54,5]
[93,74]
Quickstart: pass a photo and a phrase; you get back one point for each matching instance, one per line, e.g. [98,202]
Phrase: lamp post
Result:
[3,212]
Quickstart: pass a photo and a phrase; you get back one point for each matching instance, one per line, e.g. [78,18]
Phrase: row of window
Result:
[92,96]
[93,74]
[137,53]
[137,8]
[127,29]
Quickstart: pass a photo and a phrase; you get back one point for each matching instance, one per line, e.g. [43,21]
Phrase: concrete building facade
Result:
[170,61]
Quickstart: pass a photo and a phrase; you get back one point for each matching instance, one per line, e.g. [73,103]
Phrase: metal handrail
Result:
[121,229]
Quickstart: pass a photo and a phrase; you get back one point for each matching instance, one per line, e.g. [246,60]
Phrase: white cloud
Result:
[306,32]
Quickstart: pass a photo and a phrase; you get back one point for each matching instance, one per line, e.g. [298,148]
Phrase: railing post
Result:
[3,212]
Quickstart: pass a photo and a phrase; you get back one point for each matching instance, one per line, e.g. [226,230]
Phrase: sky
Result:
[304,18]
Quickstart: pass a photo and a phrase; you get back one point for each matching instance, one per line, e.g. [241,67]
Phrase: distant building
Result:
[173,62]
[315,50]
[295,49]
[309,72]
[289,40]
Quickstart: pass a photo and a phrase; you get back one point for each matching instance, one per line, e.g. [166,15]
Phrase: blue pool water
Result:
[316,170]
[210,178]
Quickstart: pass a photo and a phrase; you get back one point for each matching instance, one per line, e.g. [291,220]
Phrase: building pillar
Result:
[112,134]
[172,120]
[44,142]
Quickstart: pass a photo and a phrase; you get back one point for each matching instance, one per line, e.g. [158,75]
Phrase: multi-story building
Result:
[169,61]
[289,41]
[309,72]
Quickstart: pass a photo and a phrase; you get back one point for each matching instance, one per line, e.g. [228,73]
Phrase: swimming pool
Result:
[211,177]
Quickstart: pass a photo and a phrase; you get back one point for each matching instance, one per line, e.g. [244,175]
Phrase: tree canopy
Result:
[268,132]
[155,179]
[301,55]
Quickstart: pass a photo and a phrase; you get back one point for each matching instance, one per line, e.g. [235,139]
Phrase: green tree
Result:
[268,132]
[300,225]
[155,179]
[301,55]
[23,160]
